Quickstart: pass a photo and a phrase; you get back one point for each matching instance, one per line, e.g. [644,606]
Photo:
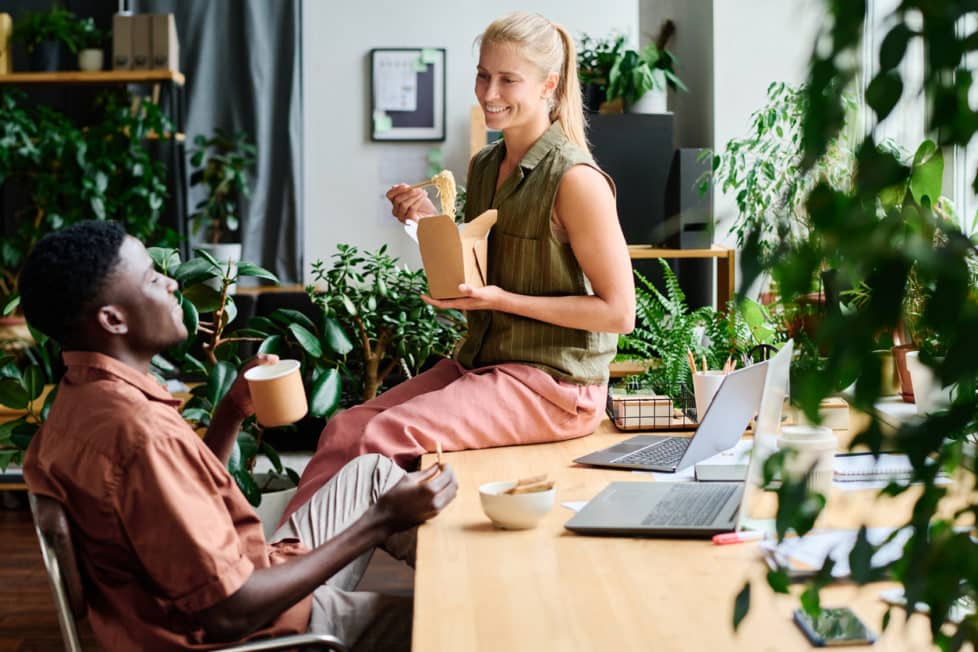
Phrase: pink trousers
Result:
[499,405]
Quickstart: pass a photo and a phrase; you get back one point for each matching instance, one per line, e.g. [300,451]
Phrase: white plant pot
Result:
[90,60]
[652,102]
[272,505]
[223,253]
[928,393]
[655,100]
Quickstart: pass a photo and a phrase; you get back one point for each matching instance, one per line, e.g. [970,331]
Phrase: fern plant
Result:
[666,330]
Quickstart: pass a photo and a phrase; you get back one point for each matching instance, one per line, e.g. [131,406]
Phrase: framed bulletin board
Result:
[407,94]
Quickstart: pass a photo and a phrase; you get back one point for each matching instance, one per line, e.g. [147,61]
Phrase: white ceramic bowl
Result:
[514,511]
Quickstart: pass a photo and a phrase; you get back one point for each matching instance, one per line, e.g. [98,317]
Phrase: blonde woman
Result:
[534,367]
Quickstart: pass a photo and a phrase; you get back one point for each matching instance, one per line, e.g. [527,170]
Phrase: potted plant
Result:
[377,303]
[641,79]
[221,166]
[211,357]
[90,41]
[595,57]
[42,34]
[667,331]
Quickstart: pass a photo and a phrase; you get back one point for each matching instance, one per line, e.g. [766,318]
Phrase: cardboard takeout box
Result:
[452,256]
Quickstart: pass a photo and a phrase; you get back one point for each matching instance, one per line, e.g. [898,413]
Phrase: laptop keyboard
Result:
[690,505]
[667,452]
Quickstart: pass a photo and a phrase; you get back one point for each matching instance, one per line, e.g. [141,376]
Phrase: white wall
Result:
[342,168]
[755,42]
[693,46]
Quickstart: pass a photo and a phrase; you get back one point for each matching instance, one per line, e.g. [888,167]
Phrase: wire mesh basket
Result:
[636,408]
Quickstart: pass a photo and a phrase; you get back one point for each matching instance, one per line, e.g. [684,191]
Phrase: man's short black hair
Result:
[65,272]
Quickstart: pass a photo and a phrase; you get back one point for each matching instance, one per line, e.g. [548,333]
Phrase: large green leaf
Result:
[12,394]
[335,337]
[33,382]
[927,177]
[286,316]
[204,297]
[272,344]
[308,341]
[883,93]
[194,271]
[250,269]
[191,318]
[246,483]
[23,433]
[324,398]
[741,606]
[220,380]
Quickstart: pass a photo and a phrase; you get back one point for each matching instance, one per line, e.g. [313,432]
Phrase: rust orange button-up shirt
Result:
[161,529]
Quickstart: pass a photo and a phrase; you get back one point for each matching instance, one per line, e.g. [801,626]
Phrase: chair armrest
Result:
[297,641]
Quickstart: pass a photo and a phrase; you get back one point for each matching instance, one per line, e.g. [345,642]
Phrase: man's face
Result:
[153,316]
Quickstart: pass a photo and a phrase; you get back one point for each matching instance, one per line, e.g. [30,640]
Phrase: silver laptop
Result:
[686,509]
[731,409]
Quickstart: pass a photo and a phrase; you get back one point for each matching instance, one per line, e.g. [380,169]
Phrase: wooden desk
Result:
[479,588]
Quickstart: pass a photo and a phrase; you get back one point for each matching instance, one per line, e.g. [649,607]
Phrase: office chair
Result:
[57,549]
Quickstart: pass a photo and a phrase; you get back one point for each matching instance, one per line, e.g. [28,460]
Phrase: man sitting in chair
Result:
[173,554]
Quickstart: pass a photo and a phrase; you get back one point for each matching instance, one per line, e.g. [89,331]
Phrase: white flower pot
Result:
[272,504]
[655,100]
[928,393]
[223,253]
[90,60]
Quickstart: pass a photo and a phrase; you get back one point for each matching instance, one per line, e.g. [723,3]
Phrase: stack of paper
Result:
[804,556]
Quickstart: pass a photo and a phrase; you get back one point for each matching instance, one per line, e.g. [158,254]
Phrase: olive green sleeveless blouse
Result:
[525,258]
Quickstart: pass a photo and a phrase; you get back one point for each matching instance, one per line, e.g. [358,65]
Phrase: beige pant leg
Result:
[363,620]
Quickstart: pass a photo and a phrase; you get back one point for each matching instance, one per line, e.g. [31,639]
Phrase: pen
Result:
[726,538]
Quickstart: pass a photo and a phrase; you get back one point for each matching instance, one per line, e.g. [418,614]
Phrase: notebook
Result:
[686,509]
[859,468]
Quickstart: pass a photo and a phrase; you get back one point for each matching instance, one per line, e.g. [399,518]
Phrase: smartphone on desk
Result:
[834,626]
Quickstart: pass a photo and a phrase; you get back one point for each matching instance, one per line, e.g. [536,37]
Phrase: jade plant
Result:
[376,303]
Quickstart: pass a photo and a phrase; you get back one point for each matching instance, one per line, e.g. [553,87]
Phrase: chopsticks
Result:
[438,452]
[422,184]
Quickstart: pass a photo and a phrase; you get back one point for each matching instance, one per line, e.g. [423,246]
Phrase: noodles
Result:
[444,183]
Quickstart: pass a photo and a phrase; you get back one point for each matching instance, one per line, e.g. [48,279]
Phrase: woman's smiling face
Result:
[511,90]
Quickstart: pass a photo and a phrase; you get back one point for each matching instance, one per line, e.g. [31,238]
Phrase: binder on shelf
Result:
[122,42]
[6,30]
[165,45]
[142,41]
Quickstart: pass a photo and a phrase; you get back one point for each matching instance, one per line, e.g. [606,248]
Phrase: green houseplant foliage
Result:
[211,355]
[376,302]
[221,164]
[666,329]
[56,24]
[87,35]
[595,57]
[634,73]
[877,247]
[70,173]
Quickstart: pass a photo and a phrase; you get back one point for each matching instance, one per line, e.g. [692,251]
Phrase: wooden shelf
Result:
[725,262]
[651,251]
[105,77]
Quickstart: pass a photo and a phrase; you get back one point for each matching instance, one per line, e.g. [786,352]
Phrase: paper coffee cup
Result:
[814,449]
[705,385]
[277,393]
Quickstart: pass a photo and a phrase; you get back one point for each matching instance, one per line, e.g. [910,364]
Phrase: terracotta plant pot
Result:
[900,360]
